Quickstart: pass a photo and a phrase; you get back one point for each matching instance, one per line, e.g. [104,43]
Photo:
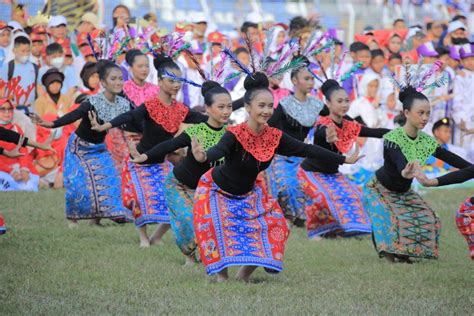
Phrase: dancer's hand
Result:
[15,152]
[331,134]
[411,169]
[95,126]
[425,181]
[198,150]
[136,156]
[38,120]
[354,157]
[47,144]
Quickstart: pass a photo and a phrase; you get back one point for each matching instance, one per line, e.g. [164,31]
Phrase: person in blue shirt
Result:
[21,66]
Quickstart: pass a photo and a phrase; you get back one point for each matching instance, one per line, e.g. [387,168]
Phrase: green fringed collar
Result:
[206,135]
[420,148]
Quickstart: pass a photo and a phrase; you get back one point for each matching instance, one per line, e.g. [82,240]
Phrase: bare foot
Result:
[390,258]
[222,276]
[156,242]
[145,243]
[72,224]
[190,261]
[95,222]
[316,238]
[244,273]
[156,238]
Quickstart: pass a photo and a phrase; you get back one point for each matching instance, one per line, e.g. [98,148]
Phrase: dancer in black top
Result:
[333,203]
[465,214]
[93,184]
[236,221]
[161,118]
[396,211]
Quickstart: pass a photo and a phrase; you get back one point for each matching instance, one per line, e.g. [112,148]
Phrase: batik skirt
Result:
[3,228]
[333,205]
[180,201]
[284,186]
[92,182]
[465,223]
[143,192]
[402,223]
[247,229]
[117,146]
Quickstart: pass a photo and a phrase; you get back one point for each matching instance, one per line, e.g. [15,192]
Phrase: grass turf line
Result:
[49,269]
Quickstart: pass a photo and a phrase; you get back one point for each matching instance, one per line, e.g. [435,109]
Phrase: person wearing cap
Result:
[58,28]
[439,96]
[429,53]
[216,40]
[456,33]
[88,23]
[23,67]
[6,53]
[199,22]
[442,131]
[463,106]
[454,60]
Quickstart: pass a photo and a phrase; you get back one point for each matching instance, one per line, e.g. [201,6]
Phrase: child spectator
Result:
[463,106]
[58,28]
[52,105]
[55,58]
[21,66]
[5,37]
[393,61]
[360,53]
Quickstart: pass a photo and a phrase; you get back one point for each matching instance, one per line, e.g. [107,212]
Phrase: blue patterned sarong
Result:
[92,182]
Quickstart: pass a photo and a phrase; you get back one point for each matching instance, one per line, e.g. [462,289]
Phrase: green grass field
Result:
[48,269]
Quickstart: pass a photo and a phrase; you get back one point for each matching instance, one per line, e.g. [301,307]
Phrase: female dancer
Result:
[465,214]
[137,89]
[235,220]
[403,225]
[333,204]
[294,115]
[92,183]
[161,117]
[182,181]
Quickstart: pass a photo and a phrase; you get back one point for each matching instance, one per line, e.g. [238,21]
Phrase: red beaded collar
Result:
[262,146]
[347,134]
[168,116]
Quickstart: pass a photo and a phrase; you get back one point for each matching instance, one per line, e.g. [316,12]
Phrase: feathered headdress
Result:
[418,78]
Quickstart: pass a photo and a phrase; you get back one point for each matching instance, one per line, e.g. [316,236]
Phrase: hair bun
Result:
[406,92]
[161,59]
[209,85]
[257,80]
[328,85]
